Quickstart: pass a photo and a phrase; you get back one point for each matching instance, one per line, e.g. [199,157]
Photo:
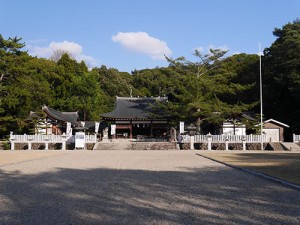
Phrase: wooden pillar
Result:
[130,130]
[151,129]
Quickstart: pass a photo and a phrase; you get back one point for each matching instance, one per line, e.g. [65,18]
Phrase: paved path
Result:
[136,187]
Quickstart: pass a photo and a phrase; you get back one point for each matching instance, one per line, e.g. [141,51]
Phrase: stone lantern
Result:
[192,131]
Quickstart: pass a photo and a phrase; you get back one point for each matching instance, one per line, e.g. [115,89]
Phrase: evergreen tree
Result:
[207,89]
[10,56]
[282,76]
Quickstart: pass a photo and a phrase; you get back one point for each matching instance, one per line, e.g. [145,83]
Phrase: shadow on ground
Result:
[108,196]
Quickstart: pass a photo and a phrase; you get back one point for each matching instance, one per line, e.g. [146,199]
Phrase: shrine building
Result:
[135,117]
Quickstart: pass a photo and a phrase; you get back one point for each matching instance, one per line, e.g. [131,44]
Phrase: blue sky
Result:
[136,34]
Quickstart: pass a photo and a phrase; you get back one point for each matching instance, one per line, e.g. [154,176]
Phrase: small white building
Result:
[235,125]
[230,128]
[274,130]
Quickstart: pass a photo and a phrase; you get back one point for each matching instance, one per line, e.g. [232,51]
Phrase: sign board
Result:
[97,124]
[113,129]
[80,140]
[181,127]
[69,129]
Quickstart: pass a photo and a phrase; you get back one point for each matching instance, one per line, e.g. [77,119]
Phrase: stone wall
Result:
[221,146]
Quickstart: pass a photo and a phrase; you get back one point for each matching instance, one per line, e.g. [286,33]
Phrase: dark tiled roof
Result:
[240,117]
[248,116]
[71,117]
[136,108]
[90,125]
[32,116]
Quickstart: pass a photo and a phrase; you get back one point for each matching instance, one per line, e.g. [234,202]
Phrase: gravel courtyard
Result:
[136,187]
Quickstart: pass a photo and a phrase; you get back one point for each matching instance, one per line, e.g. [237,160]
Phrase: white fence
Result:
[40,138]
[37,138]
[46,139]
[223,138]
[90,138]
[296,137]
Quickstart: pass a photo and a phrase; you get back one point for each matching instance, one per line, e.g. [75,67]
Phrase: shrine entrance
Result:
[141,129]
[137,118]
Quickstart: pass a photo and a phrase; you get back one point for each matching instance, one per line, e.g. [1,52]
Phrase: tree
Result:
[282,75]
[11,45]
[10,52]
[113,82]
[207,89]
[9,48]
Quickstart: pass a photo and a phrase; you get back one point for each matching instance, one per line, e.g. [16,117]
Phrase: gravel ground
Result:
[137,187]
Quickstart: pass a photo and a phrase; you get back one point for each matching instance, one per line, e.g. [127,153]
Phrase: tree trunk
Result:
[198,124]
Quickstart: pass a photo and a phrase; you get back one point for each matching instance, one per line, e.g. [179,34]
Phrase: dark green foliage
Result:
[27,83]
[9,123]
[210,88]
[113,82]
[282,76]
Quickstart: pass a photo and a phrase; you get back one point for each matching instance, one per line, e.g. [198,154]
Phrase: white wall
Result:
[230,129]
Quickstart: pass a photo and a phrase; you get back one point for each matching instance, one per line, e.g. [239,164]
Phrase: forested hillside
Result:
[204,91]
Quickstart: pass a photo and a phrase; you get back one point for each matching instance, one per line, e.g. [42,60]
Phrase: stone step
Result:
[154,146]
[112,146]
[135,145]
[276,146]
[290,146]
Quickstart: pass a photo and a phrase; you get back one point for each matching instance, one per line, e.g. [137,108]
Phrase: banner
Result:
[97,127]
[181,127]
[113,129]
[69,129]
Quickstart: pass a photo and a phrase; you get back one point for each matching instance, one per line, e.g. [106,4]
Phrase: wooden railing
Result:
[90,138]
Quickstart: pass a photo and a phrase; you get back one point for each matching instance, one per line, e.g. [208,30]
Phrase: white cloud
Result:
[141,42]
[75,50]
[72,47]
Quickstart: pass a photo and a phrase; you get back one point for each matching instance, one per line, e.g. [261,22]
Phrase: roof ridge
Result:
[70,112]
[145,97]
[276,121]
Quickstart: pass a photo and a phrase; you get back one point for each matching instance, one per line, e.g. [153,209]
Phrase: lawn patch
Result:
[284,166]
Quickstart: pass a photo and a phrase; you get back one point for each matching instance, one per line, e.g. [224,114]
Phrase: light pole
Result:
[261,101]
